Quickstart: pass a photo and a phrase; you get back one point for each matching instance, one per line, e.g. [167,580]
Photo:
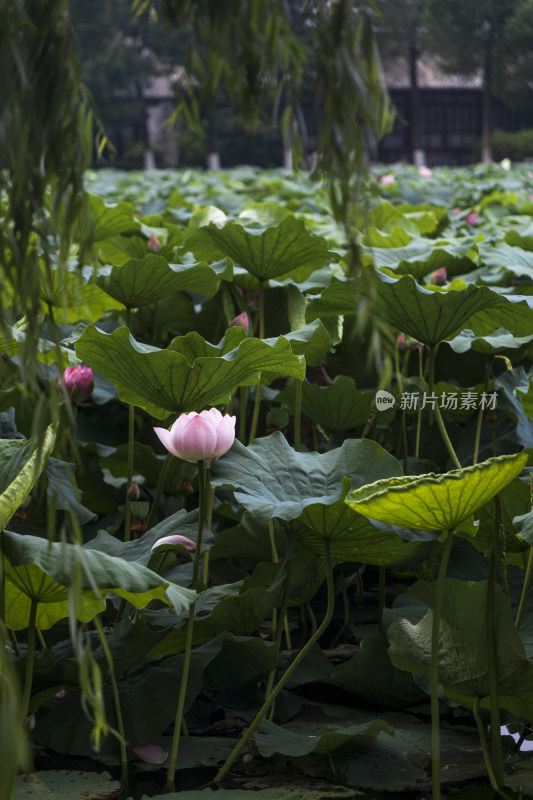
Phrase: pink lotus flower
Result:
[438,278]
[78,382]
[425,172]
[188,544]
[242,320]
[456,211]
[199,437]
[401,343]
[472,218]
[154,245]
[386,180]
[150,753]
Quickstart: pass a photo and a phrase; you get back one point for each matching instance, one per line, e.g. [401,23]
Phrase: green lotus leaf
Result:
[271,479]
[436,502]
[104,221]
[463,657]
[36,569]
[66,785]
[498,342]
[139,282]
[164,381]
[72,298]
[351,537]
[22,468]
[431,316]
[271,738]
[268,253]
[338,407]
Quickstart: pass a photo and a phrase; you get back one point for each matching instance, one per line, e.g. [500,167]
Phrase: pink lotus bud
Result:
[199,437]
[133,491]
[425,172]
[78,382]
[154,245]
[401,344]
[456,211]
[242,320]
[150,753]
[386,180]
[188,544]
[438,278]
[472,218]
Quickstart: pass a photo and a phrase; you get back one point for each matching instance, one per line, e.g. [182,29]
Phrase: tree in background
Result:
[119,57]
[403,35]
[473,36]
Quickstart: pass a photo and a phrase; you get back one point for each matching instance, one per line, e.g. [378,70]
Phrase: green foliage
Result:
[516,145]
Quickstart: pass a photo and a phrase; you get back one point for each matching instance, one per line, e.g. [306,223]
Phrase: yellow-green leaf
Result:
[436,502]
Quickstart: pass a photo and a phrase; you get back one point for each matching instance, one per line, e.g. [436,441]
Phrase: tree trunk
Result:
[486,108]
[213,156]
[418,155]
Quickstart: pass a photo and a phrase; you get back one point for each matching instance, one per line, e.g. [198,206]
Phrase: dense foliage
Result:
[376,485]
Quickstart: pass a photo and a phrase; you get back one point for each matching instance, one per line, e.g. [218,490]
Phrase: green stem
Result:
[116,700]
[30,653]
[159,490]
[434,668]
[312,618]
[298,415]
[438,415]
[382,597]
[492,655]
[419,414]
[244,392]
[56,339]
[129,474]
[169,785]
[2,582]
[258,388]
[481,414]
[525,588]
[484,746]
[255,414]
[263,711]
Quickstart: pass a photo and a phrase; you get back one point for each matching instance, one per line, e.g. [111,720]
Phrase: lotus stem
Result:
[263,711]
[434,669]
[159,490]
[298,414]
[169,785]
[244,392]
[438,415]
[255,414]
[129,474]
[382,597]
[2,582]
[116,700]
[484,746]
[492,658]
[30,654]
[525,587]
[481,413]
[419,414]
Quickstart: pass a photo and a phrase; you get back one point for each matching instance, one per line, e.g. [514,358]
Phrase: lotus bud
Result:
[154,245]
[425,172]
[174,539]
[134,491]
[151,753]
[438,278]
[387,180]
[471,218]
[401,342]
[199,437]
[242,321]
[78,383]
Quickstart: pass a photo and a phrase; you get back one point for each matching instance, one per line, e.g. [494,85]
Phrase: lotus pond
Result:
[318,587]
